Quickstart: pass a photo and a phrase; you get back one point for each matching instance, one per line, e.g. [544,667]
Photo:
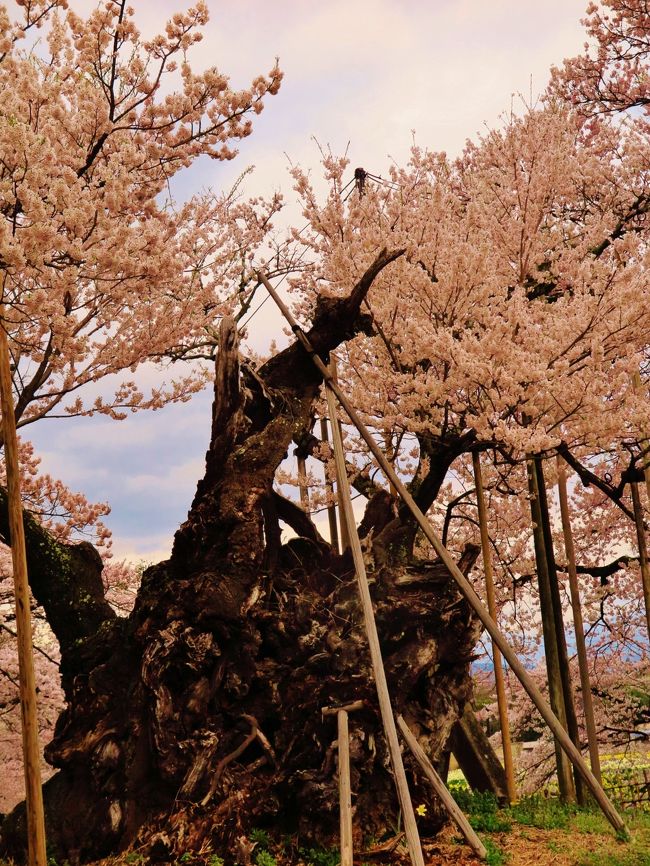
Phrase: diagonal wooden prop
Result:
[464,585]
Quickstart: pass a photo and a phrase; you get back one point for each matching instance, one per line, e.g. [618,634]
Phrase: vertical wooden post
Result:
[556,694]
[502,701]
[560,635]
[638,521]
[390,456]
[345,787]
[345,790]
[31,748]
[576,607]
[343,526]
[304,490]
[410,824]
[329,486]
[643,550]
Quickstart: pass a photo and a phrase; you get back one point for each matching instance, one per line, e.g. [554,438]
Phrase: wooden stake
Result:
[463,584]
[345,788]
[502,701]
[410,825]
[452,807]
[576,607]
[31,748]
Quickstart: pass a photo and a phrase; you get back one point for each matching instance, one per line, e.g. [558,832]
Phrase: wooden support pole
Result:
[343,526]
[638,521]
[386,710]
[643,550]
[31,748]
[551,654]
[560,634]
[463,584]
[453,809]
[502,701]
[302,486]
[329,486]
[576,607]
[345,788]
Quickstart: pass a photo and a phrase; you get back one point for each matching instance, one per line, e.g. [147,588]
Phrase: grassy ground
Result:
[544,832]
[534,832]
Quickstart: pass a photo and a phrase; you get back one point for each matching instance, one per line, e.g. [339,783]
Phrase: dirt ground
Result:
[529,846]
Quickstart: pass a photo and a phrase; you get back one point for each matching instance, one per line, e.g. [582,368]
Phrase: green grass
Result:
[495,856]
[632,856]
[320,856]
[545,814]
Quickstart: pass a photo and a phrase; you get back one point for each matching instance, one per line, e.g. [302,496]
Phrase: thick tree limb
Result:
[64,578]
[602,571]
[588,477]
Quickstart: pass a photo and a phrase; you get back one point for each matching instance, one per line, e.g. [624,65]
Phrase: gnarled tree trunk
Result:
[198,716]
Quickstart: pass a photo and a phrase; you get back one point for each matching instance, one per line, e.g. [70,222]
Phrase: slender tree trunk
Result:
[556,695]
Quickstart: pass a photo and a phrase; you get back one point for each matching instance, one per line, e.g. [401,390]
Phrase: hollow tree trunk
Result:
[199,715]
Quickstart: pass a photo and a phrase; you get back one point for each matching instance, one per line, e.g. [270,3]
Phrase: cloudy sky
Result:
[366,75]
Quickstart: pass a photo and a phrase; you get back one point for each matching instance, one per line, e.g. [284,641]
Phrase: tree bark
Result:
[198,716]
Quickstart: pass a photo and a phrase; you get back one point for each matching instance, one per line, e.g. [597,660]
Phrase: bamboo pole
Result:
[29,718]
[386,710]
[576,607]
[502,701]
[329,486]
[464,585]
[452,807]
